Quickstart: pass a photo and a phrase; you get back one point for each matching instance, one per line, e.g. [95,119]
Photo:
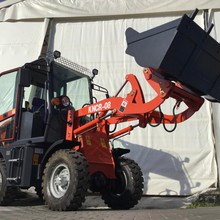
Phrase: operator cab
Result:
[27,110]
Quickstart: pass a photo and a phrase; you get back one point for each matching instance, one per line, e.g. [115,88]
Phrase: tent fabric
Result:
[215,19]
[178,163]
[92,33]
[21,42]
[30,9]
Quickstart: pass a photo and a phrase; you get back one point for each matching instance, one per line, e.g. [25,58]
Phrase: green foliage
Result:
[209,199]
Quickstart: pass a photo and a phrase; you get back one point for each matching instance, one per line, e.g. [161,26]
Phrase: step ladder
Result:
[15,165]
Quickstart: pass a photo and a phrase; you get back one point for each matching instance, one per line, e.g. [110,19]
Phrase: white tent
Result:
[92,33]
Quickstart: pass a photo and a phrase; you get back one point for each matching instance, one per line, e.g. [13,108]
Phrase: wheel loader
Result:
[55,136]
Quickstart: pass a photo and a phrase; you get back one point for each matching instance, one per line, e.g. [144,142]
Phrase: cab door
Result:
[8,93]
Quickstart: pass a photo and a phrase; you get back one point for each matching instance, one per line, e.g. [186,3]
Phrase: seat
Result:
[38,106]
[39,116]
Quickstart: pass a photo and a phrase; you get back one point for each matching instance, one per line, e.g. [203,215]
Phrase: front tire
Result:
[65,180]
[127,189]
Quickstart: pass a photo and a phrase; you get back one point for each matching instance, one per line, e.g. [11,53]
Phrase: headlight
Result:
[65,101]
[61,102]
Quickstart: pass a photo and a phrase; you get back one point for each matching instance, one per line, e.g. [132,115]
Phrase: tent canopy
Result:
[35,9]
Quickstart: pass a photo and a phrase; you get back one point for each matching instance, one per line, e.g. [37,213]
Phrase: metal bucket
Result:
[182,51]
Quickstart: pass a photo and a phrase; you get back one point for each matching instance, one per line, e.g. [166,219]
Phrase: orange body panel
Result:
[95,147]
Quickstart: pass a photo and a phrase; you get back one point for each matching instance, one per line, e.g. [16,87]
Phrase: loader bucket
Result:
[182,51]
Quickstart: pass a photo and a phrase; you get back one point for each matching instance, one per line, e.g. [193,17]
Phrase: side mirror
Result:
[94,73]
[186,160]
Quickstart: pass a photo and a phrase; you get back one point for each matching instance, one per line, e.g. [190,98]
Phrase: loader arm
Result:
[95,135]
[116,109]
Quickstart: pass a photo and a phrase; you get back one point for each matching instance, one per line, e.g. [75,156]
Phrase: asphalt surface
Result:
[29,207]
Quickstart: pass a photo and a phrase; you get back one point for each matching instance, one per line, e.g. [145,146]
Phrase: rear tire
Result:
[65,180]
[127,189]
[3,181]
[7,193]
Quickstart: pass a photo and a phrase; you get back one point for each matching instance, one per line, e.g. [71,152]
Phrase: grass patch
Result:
[208,199]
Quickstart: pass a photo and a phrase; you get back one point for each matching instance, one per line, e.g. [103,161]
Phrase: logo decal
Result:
[99,107]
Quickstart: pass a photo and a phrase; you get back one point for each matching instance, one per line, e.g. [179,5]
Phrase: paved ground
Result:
[154,208]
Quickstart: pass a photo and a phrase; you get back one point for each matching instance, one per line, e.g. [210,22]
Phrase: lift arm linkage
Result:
[116,109]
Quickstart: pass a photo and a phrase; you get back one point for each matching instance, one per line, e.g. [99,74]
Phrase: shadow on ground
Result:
[29,198]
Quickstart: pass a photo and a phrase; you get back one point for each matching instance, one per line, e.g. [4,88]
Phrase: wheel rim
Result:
[60,180]
[121,183]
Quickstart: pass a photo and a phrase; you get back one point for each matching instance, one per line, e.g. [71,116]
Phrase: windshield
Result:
[71,83]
